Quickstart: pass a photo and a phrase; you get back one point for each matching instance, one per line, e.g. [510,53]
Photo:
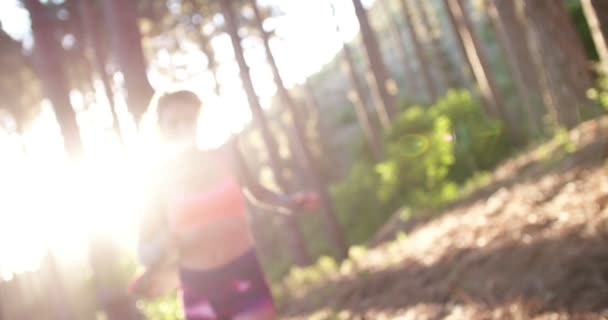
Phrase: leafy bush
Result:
[600,94]
[419,154]
[168,307]
[428,151]
[478,140]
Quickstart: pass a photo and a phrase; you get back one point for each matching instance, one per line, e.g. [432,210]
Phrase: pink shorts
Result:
[223,293]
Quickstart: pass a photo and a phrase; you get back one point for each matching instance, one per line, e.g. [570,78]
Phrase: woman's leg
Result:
[266,312]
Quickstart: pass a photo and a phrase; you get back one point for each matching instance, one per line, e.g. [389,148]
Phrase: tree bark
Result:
[50,67]
[296,239]
[121,17]
[388,109]
[331,223]
[564,74]
[515,65]
[446,78]
[400,46]
[596,13]
[427,78]
[490,93]
[92,30]
[357,98]
[516,36]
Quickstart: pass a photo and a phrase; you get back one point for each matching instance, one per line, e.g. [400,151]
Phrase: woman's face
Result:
[178,123]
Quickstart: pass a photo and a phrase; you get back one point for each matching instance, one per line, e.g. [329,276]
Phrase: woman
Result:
[197,222]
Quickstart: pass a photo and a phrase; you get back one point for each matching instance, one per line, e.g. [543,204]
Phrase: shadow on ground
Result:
[565,274]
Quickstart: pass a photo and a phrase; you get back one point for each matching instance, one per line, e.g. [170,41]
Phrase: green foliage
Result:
[164,308]
[418,157]
[429,151]
[478,140]
[600,94]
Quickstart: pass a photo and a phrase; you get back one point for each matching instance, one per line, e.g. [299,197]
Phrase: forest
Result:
[457,147]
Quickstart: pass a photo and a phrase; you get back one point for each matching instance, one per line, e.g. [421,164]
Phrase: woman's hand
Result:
[308,201]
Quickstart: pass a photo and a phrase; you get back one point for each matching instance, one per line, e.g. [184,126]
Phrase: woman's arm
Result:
[259,195]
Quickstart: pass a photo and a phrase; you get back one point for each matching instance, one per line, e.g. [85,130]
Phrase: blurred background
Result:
[398,110]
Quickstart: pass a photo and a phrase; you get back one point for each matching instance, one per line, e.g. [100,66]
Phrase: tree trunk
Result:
[443,65]
[314,113]
[301,256]
[564,74]
[427,78]
[357,98]
[455,78]
[121,18]
[515,65]
[314,108]
[399,44]
[490,93]
[520,60]
[92,34]
[331,223]
[596,13]
[211,61]
[388,108]
[50,66]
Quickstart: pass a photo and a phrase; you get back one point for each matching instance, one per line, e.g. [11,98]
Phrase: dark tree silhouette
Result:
[441,63]
[401,47]
[121,18]
[357,98]
[501,20]
[564,75]
[596,13]
[50,66]
[297,243]
[93,32]
[424,65]
[387,109]
[469,42]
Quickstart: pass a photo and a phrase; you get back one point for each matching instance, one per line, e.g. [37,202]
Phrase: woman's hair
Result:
[180,98]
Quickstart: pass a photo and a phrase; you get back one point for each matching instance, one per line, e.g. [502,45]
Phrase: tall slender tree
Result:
[514,64]
[96,42]
[388,108]
[596,13]
[50,67]
[401,47]
[331,222]
[469,42]
[18,72]
[564,74]
[301,255]
[507,15]
[442,65]
[121,18]
[357,98]
[456,73]
[424,65]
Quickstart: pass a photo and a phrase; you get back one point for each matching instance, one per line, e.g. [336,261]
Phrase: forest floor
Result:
[533,244]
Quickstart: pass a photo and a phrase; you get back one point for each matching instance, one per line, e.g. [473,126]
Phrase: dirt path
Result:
[532,245]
